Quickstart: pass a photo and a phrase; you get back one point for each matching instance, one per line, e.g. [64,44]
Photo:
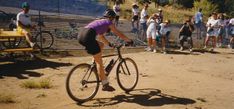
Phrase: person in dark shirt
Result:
[185,34]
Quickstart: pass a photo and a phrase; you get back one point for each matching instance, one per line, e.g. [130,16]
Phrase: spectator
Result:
[143,20]
[185,34]
[116,9]
[24,23]
[198,22]
[213,26]
[164,34]
[135,13]
[231,33]
[221,30]
[151,33]
[160,14]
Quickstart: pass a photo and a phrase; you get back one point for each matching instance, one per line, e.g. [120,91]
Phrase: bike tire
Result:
[47,42]
[78,93]
[127,71]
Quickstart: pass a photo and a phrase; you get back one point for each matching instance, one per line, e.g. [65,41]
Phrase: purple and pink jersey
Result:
[100,26]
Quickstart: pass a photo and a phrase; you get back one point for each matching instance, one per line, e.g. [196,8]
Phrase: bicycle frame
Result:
[93,66]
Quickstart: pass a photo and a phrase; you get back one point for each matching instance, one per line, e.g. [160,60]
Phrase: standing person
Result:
[151,33]
[143,20]
[231,33]
[221,30]
[24,24]
[88,36]
[198,22]
[135,14]
[116,9]
[213,26]
[160,14]
[164,34]
[185,34]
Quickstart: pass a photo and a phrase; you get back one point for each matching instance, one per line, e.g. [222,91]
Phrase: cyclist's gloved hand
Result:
[129,43]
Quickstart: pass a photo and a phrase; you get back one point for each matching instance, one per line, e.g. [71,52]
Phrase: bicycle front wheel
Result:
[44,39]
[127,74]
[82,83]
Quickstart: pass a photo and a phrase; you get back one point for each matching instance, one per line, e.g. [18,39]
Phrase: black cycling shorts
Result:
[87,38]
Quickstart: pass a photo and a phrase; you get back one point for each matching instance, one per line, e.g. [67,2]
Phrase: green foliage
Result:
[186,3]
[206,6]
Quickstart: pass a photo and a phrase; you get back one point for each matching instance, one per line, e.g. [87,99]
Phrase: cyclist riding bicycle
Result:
[24,23]
[87,38]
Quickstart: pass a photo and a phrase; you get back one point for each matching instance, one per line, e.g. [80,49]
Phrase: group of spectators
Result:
[156,29]
[218,28]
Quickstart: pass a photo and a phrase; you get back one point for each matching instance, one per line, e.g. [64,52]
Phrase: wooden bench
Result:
[9,36]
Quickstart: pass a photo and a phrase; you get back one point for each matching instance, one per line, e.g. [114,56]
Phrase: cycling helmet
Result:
[109,13]
[25,5]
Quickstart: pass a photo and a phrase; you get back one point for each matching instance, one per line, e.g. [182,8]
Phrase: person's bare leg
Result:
[154,43]
[149,42]
[163,43]
[28,38]
[207,41]
[99,62]
[214,41]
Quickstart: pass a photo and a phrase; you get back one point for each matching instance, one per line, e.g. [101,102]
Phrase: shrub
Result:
[32,84]
[7,98]
[206,6]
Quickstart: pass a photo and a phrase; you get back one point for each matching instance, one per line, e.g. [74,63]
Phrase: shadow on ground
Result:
[23,69]
[143,97]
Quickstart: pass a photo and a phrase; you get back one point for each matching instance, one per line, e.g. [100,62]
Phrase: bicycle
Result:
[70,33]
[82,82]
[44,39]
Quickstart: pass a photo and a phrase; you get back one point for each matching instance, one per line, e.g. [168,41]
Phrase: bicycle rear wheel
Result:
[82,83]
[127,74]
[44,39]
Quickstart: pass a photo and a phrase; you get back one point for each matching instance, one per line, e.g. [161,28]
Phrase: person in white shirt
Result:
[213,26]
[116,9]
[24,23]
[231,33]
[151,33]
[135,14]
[198,22]
[164,34]
[143,20]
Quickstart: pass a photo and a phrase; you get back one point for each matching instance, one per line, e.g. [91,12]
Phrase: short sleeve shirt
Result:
[100,26]
[23,18]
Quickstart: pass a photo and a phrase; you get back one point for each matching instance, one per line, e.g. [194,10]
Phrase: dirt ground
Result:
[177,80]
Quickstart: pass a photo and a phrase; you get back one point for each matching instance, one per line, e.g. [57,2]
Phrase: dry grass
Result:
[7,98]
[33,84]
[174,14]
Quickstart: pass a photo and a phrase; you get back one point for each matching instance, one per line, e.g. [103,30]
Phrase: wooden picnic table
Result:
[9,36]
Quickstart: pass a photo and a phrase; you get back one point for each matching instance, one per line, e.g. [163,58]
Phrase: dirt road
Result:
[173,81]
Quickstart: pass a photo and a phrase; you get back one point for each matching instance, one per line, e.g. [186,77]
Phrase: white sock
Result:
[104,82]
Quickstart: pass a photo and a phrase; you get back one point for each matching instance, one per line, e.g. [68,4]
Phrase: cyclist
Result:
[24,23]
[87,38]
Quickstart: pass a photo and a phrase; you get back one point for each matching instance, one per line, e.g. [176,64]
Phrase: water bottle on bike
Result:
[109,67]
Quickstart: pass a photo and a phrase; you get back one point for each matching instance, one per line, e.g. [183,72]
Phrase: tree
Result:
[206,6]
